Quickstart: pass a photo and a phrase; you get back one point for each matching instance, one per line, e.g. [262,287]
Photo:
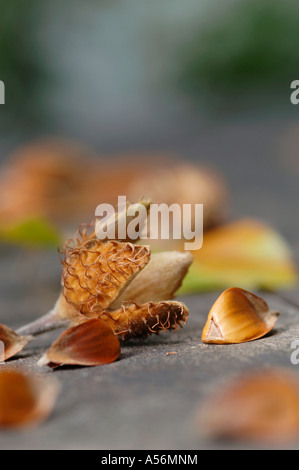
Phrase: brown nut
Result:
[25,399]
[260,406]
[12,342]
[237,317]
[91,343]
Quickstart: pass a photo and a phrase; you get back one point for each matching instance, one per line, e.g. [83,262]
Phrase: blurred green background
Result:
[206,79]
[83,66]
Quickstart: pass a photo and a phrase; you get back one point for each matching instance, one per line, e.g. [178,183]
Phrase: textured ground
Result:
[149,399]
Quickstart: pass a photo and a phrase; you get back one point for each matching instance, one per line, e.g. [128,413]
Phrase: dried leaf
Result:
[245,253]
[91,343]
[25,400]
[159,280]
[13,343]
[95,273]
[261,406]
[137,321]
[237,317]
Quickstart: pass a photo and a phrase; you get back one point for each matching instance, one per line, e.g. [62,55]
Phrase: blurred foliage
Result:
[20,61]
[245,253]
[248,47]
[33,232]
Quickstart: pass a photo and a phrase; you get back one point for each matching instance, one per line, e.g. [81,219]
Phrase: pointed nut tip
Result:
[43,361]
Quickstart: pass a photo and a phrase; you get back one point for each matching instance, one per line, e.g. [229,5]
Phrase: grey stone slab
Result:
[149,399]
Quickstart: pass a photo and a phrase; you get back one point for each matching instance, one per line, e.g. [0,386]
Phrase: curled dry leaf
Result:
[13,343]
[91,343]
[137,321]
[96,273]
[159,280]
[237,317]
[261,406]
[25,400]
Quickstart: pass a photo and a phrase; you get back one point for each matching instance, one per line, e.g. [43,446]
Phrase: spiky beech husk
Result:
[96,273]
[140,321]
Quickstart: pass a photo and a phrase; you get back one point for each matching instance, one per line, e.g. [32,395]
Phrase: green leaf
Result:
[33,232]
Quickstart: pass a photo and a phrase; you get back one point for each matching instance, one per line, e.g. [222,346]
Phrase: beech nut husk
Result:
[238,317]
[139,321]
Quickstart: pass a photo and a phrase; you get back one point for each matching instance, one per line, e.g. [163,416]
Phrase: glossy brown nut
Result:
[25,400]
[13,343]
[237,317]
[91,343]
[260,406]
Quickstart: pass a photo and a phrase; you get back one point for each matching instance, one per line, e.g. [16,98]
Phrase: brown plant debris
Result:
[96,273]
[13,343]
[261,406]
[25,400]
[237,317]
[139,321]
[91,343]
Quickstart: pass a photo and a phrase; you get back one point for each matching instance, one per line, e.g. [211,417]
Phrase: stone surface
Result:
[149,399]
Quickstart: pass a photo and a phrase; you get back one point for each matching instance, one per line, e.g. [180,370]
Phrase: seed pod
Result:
[13,343]
[95,274]
[237,317]
[25,400]
[91,343]
[159,280]
[137,321]
[88,232]
[262,406]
